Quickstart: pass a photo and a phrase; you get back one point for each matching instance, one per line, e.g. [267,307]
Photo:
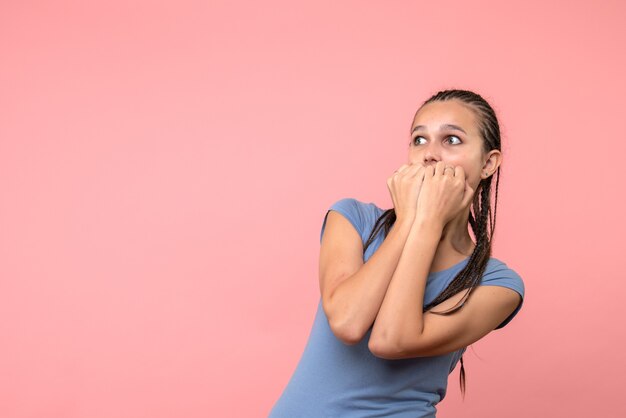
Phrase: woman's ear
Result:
[493,160]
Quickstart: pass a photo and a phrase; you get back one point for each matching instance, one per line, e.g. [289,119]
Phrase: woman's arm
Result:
[400,316]
[352,291]
[401,329]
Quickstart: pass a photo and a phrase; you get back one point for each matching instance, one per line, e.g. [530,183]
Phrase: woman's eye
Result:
[418,140]
[454,140]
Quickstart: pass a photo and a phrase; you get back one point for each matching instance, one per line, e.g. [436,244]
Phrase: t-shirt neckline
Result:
[458,265]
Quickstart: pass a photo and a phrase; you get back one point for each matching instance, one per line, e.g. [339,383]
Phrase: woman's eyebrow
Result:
[441,128]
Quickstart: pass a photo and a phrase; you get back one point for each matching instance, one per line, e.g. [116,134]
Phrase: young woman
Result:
[406,290]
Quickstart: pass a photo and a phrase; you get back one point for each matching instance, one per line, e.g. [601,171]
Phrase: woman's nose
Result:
[432,154]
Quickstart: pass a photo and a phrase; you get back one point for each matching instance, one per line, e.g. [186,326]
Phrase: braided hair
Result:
[481,218]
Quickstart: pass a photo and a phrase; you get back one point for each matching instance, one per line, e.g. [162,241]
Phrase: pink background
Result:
[165,170]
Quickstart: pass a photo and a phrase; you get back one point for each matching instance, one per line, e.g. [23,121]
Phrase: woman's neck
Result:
[455,244]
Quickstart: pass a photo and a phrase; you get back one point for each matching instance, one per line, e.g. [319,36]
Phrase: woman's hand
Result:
[444,193]
[404,186]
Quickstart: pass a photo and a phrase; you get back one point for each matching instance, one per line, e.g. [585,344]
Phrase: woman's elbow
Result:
[347,333]
[381,349]
[385,348]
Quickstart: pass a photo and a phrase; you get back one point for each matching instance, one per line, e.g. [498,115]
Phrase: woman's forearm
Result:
[401,313]
[354,304]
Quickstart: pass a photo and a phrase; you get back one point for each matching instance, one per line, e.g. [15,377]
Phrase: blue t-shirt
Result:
[335,380]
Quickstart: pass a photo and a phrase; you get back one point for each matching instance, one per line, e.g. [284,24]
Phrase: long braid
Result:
[481,219]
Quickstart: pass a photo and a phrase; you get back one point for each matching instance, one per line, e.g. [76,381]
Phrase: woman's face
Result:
[448,131]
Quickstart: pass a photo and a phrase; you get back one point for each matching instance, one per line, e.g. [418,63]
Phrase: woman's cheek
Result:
[472,177]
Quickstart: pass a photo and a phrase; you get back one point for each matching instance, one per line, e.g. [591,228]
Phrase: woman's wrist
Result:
[430,225]
[405,220]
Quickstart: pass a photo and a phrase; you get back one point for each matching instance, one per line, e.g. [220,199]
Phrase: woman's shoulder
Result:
[362,215]
[366,210]
[498,273]
[497,265]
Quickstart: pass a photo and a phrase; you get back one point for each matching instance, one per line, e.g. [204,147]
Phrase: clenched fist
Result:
[444,193]
[404,186]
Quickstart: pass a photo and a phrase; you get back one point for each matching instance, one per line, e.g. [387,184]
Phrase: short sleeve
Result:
[498,274]
[351,209]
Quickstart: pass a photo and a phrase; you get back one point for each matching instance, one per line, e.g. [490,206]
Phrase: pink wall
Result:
[165,169]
